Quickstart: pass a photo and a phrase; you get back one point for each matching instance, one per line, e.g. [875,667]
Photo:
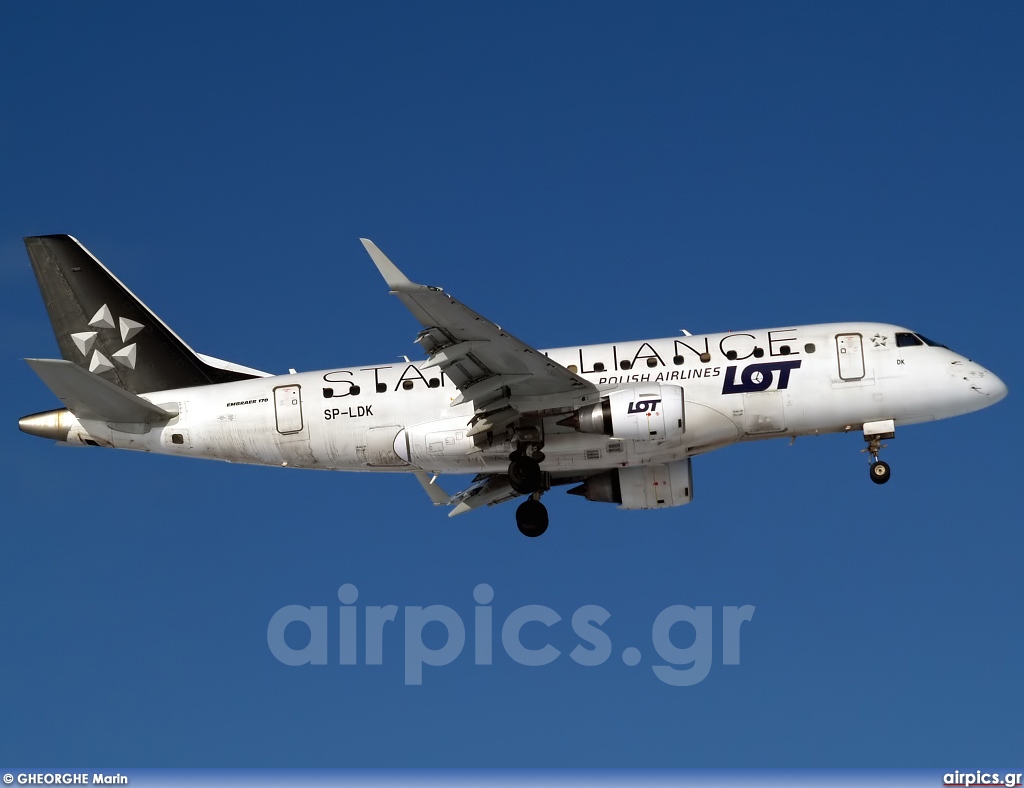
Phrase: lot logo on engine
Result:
[758,377]
[643,406]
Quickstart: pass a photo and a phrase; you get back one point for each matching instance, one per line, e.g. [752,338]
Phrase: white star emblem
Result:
[102,318]
[127,356]
[83,341]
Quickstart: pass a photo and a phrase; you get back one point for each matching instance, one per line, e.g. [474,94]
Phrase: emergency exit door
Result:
[851,356]
[288,408]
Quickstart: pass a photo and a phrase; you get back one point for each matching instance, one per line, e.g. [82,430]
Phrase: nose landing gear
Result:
[879,472]
[874,433]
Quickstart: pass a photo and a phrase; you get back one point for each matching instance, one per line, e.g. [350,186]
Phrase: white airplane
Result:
[620,421]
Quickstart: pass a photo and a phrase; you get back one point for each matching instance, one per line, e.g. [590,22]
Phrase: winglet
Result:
[396,280]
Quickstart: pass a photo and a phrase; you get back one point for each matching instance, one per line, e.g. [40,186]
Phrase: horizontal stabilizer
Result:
[89,396]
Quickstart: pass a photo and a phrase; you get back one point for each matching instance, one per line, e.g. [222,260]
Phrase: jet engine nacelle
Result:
[654,486]
[641,413]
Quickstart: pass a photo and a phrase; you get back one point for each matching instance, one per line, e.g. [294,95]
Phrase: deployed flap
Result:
[89,396]
[482,360]
[437,495]
[486,490]
[104,328]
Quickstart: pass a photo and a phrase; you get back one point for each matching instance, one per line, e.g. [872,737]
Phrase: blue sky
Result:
[578,172]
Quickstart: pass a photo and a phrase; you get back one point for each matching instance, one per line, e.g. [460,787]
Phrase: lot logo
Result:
[758,377]
[643,406]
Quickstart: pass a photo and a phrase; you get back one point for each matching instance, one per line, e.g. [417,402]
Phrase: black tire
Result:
[532,518]
[524,475]
[880,472]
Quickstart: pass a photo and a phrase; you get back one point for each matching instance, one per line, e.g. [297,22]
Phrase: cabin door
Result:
[851,356]
[288,408]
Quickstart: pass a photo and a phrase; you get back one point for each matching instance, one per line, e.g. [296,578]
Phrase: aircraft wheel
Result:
[524,475]
[879,472]
[532,518]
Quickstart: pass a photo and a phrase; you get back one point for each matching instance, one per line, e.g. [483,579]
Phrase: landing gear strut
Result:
[874,434]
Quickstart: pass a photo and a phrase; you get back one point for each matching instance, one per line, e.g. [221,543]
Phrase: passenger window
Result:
[906,340]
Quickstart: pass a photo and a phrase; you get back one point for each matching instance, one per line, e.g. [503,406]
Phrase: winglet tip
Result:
[395,279]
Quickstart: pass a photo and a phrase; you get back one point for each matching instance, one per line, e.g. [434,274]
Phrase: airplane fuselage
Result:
[736,386]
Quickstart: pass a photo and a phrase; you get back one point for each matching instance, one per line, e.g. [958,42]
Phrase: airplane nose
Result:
[993,387]
[985,383]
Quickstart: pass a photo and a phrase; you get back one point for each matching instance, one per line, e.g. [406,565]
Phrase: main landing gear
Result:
[532,516]
[874,433]
[526,477]
[524,473]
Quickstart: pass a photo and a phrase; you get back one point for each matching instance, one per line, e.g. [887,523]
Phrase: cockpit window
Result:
[931,342]
[907,340]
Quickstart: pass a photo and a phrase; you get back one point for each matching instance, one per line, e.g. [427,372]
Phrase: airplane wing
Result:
[500,374]
[487,489]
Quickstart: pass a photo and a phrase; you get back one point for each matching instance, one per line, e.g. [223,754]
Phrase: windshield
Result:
[931,342]
[906,339]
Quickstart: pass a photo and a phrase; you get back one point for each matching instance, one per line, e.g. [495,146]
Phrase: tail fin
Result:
[102,327]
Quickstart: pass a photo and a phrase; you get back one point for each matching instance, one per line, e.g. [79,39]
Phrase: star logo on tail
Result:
[103,320]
